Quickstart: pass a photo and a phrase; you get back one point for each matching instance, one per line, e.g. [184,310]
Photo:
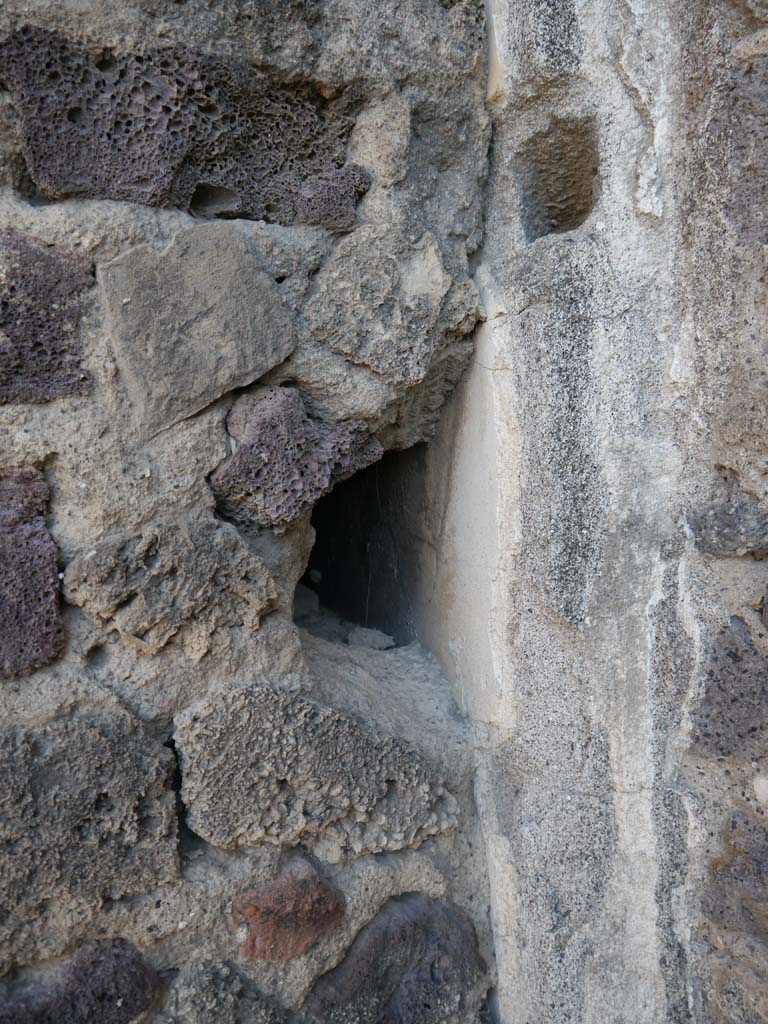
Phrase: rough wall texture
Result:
[591,569]
[248,252]
[235,247]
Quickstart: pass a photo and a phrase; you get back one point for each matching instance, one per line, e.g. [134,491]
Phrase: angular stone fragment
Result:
[87,813]
[41,302]
[285,460]
[107,982]
[733,523]
[31,632]
[417,962]
[287,916]
[413,309]
[732,719]
[193,322]
[178,579]
[215,992]
[264,766]
[172,127]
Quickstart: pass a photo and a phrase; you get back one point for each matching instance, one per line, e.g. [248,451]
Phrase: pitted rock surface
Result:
[212,162]
[287,916]
[417,962]
[329,200]
[170,126]
[178,580]
[264,766]
[24,496]
[31,632]
[75,831]
[732,719]
[109,982]
[285,460]
[42,289]
[193,322]
[207,992]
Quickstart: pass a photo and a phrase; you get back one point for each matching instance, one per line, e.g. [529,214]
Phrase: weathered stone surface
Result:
[417,962]
[124,129]
[732,719]
[86,814]
[173,127]
[735,933]
[263,766]
[193,322]
[738,995]
[203,993]
[733,523]
[402,690]
[329,199]
[394,366]
[285,460]
[42,288]
[177,580]
[738,897]
[107,981]
[31,632]
[415,310]
[287,916]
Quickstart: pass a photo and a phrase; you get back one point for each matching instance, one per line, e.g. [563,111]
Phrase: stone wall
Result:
[590,569]
[234,271]
[383,512]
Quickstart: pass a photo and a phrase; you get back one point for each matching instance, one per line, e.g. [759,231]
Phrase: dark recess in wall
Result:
[362,566]
[557,169]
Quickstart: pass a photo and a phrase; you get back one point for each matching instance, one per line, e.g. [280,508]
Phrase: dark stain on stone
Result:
[557,31]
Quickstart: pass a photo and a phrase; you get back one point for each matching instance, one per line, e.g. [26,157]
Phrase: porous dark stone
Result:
[87,814]
[416,963]
[31,632]
[329,200]
[732,719]
[732,523]
[107,982]
[172,127]
[285,460]
[41,302]
[288,915]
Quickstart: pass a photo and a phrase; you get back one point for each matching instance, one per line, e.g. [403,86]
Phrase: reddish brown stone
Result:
[288,915]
